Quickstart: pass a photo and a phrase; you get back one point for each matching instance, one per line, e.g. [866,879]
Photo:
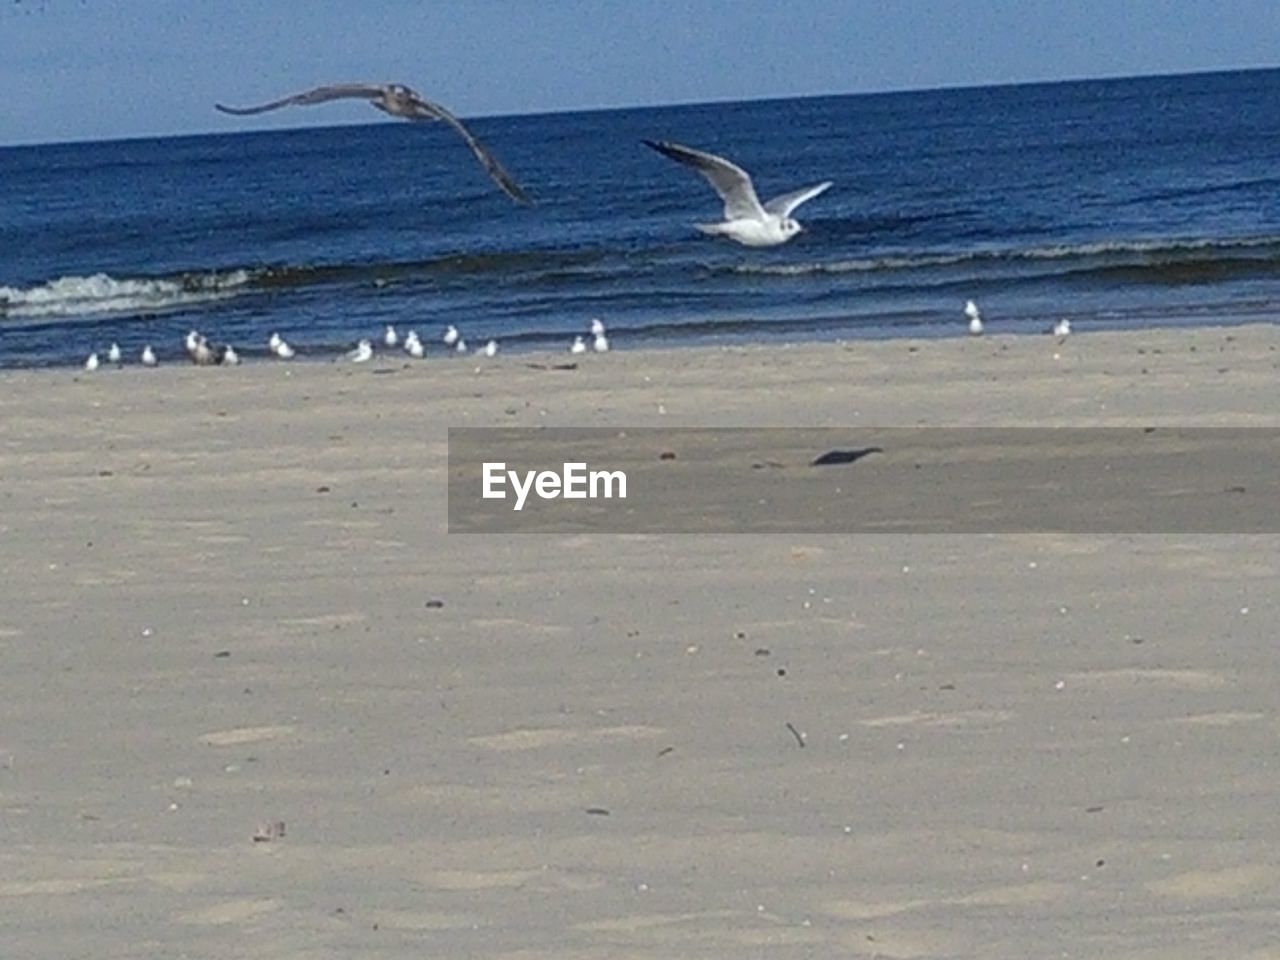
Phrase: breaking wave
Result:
[1153,261]
[103,294]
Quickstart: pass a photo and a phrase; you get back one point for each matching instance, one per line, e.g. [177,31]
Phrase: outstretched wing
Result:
[337,91]
[729,180]
[399,101]
[784,204]
[426,110]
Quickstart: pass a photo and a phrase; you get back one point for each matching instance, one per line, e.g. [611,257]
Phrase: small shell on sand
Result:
[269,831]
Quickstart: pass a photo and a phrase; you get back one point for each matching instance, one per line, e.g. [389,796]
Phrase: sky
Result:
[105,69]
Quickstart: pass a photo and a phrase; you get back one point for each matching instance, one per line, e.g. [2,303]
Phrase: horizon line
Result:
[616,108]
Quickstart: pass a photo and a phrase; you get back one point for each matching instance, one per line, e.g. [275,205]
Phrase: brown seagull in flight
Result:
[399,101]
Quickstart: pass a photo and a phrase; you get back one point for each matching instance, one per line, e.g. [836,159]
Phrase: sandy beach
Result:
[228,600]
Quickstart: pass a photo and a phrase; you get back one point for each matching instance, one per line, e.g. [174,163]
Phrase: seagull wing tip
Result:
[516,193]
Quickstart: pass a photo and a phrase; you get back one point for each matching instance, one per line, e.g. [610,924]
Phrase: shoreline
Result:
[1104,363]
[725,332]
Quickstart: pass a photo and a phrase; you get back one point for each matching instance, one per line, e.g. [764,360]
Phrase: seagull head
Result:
[790,227]
[399,101]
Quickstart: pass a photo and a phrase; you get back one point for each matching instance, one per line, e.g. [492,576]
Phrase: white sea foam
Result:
[100,293]
[1194,249]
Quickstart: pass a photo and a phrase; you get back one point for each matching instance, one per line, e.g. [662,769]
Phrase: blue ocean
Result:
[1117,203]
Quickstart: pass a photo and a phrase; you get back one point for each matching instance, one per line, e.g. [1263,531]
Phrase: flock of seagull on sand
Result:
[1060,329]
[203,353]
[746,220]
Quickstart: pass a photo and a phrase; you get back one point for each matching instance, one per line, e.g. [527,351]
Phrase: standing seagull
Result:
[975,317]
[279,347]
[198,349]
[746,220]
[399,101]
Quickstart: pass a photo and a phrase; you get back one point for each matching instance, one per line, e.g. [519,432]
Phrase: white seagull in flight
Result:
[399,101]
[746,219]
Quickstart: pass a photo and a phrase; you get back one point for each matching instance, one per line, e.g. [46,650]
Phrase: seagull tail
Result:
[711,229]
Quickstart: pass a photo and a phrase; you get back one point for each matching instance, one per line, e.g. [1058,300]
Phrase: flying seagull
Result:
[746,220]
[399,101]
